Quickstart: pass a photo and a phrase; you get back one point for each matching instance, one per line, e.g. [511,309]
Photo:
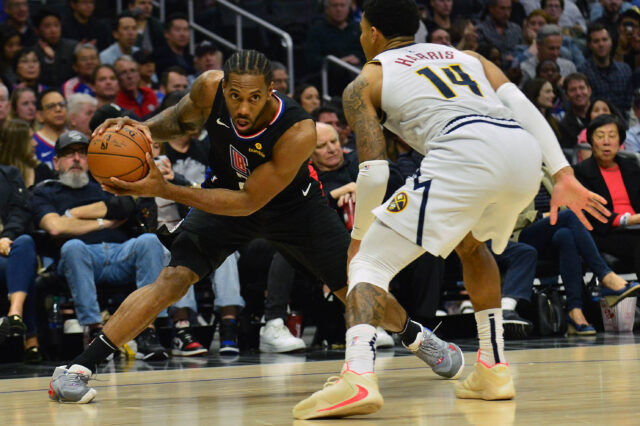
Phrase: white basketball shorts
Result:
[475,178]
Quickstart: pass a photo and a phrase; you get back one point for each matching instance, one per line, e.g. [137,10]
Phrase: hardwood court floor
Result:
[561,386]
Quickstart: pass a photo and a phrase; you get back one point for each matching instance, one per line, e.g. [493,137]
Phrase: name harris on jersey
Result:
[409,60]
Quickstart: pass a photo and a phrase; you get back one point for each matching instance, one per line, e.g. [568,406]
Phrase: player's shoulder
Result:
[208,81]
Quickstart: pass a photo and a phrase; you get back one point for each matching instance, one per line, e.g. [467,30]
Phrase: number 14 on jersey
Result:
[455,75]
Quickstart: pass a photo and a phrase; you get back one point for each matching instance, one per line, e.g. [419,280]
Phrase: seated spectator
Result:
[80,109]
[336,34]
[105,84]
[307,96]
[440,16]
[9,45]
[496,29]
[173,79]
[82,26]
[85,62]
[565,14]
[146,69]
[125,35]
[23,106]
[530,27]
[607,14]
[570,243]
[334,117]
[96,247]
[18,149]
[540,93]
[628,46]
[18,262]
[55,53]
[548,70]
[26,66]
[18,19]
[578,92]
[280,77]
[141,100]
[439,36]
[548,43]
[616,179]
[52,116]
[598,107]
[148,27]
[609,79]
[176,50]
[4,104]
[632,143]
[207,57]
[469,35]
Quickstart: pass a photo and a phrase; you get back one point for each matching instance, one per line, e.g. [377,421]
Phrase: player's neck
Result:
[397,42]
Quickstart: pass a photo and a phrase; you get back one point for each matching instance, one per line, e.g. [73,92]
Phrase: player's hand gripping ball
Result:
[120,154]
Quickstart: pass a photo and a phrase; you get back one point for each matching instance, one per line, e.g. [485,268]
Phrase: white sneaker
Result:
[276,337]
[383,340]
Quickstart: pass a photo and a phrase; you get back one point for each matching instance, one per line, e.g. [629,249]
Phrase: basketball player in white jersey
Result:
[484,144]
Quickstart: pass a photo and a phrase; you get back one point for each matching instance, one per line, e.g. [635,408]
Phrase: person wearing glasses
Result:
[52,116]
[141,100]
[26,67]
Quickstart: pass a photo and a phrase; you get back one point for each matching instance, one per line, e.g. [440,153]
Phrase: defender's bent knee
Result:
[371,270]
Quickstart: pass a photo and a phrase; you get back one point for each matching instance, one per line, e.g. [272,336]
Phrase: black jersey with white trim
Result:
[233,157]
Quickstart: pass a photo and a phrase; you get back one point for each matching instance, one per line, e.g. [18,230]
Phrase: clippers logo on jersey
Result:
[398,203]
[239,162]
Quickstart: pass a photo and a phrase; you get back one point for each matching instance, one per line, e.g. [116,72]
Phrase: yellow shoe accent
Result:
[350,394]
[487,383]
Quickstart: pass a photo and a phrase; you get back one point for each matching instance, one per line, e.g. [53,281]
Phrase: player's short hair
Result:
[603,120]
[392,18]
[249,62]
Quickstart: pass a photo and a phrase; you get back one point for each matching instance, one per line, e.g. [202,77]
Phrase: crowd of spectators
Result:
[64,70]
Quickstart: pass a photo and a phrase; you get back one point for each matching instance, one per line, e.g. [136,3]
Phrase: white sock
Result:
[361,348]
[509,304]
[489,323]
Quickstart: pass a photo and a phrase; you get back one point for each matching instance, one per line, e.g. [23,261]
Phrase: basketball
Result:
[119,154]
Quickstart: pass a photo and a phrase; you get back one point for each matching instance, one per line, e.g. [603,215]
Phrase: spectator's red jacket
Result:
[146,102]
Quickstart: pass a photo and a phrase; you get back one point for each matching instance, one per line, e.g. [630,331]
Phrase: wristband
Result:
[100,223]
[624,219]
[67,213]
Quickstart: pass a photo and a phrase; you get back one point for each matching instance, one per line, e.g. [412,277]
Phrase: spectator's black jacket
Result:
[14,206]
[588,173]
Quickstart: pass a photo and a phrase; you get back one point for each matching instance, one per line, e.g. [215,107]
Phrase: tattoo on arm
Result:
[185,117]
[365,305]
[363,120]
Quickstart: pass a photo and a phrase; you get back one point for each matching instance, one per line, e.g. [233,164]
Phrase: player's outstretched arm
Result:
[187,116]
[291,151]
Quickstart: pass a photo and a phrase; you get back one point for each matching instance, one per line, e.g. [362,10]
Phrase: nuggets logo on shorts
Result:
[398,203]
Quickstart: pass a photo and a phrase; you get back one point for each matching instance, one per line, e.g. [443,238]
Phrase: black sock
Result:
[410,332]
[96,352]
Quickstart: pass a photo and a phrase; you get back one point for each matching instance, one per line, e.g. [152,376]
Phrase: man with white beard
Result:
[96,243]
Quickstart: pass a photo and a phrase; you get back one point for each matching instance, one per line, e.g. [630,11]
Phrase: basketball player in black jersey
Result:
[259,187]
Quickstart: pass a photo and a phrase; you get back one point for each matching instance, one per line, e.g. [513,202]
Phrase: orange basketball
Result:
[119,154]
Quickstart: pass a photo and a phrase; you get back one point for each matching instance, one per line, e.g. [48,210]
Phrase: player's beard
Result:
[74,180]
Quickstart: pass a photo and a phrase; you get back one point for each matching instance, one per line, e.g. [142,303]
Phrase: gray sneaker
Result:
[444,358]
[69,385]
